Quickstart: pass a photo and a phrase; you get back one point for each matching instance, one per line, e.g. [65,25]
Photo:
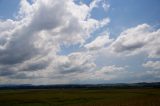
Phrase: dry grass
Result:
[81,97]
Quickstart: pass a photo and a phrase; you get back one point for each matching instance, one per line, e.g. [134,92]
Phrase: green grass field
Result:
[80,97]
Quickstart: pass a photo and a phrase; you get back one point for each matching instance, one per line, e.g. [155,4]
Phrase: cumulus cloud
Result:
[98,42]
[142,38]
[74,63]
[152,68]
[111,69]
[155,65]
[29,45]
[105,5]
[111,72]
[94,4]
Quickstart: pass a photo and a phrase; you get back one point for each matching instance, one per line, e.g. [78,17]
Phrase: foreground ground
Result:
[80,97]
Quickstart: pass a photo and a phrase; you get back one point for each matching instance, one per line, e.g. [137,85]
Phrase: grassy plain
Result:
[81,97]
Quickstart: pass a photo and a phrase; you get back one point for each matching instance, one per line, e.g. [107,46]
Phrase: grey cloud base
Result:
[30,45]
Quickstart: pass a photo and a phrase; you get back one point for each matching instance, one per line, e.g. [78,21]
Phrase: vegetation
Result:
[81,97]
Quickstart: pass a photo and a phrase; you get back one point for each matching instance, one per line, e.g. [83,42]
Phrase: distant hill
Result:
[68,86]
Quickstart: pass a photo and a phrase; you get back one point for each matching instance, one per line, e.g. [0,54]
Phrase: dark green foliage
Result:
[81,97]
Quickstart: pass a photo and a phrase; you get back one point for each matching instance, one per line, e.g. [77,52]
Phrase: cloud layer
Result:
[141,38]
[31,44]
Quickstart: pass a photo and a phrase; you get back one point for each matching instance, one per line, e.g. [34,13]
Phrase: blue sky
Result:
[79,40]
[123,14]
[8,8]
[129,13]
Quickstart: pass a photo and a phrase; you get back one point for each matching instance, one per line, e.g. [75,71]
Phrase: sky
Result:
[79,41]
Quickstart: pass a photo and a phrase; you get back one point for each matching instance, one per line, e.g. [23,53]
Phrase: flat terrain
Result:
[81,97]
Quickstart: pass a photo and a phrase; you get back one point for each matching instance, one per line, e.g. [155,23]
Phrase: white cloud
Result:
[29,45]
[94,4]
[74,63]
[111,69]
[152,68]
[111,72]
[141,38]
[155,65]
[105,5]
[98,42]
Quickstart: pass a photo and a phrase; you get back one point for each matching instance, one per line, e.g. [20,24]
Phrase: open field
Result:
[81,97]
